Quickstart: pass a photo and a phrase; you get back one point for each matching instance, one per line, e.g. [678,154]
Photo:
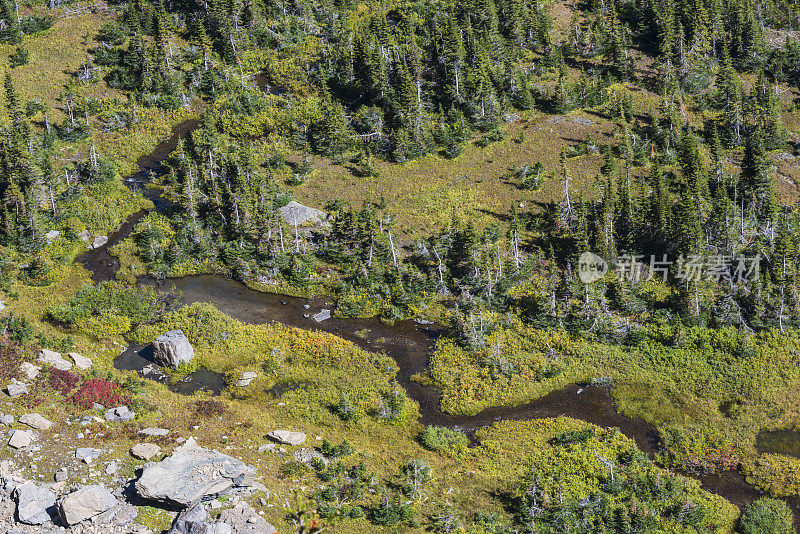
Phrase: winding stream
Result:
[407,342]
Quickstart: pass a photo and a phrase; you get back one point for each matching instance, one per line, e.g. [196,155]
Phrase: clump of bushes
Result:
[62,381]
[100,391]
[443,440]
[18,58]
[346,409]
[390,405]
[767,516]
[111,308]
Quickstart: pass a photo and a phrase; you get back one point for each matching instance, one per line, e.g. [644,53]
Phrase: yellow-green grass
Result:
[424,193]
[55,56]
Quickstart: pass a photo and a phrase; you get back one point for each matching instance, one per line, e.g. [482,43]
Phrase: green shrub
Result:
[18,58]
[104,326]
[109,307]
[767,516]
[443,440]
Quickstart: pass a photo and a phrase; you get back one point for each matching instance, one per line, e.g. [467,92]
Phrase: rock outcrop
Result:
[191,473]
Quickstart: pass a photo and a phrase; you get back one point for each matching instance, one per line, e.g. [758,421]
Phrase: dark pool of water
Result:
[783,441]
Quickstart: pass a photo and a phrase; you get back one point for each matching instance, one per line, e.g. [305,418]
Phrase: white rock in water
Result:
[20,439]
[35,420]
[29,370]
[288,437]
[99,241]
[246,379]
[323,315]
[172,348]
[81,362]
[55,360]
[85,503]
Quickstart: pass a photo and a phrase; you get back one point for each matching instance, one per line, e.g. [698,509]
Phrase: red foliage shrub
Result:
[100,391]
[62,381]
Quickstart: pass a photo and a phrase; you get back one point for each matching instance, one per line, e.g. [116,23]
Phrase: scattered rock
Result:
[151,431]
[308,456]
[84,235]
[192,473]
[61,475]
[29,370]
[81,362]
[269,447]
[323,315]
[112,468]
[20,439]
[120,414]
[87,454]
[52,235]
[121,515]
[35,420]
[246,379]
[192,521]
[55,360]
[35,505]
[85,503]
[145,451]
[7,419]
[288,437]
[16,389]
[243,519]
[172,348]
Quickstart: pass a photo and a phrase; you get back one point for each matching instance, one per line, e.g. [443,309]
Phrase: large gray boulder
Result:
[297,214]
[172,349]
[85,503]
[191,473]
[35,505]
